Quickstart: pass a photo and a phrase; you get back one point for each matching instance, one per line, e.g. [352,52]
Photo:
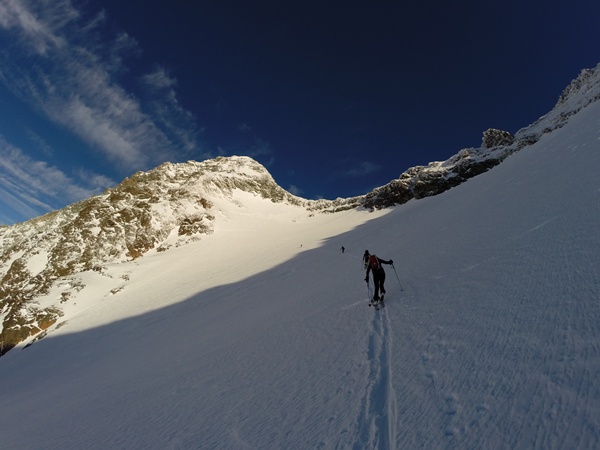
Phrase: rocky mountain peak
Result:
[582,91]
[218,175]
[169,205]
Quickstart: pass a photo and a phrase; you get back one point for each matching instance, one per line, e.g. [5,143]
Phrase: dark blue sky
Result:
[334,98]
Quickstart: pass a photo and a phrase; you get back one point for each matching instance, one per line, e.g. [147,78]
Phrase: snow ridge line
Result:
[377,419]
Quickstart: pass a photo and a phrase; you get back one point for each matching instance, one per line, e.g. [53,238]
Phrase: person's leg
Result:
[376,282]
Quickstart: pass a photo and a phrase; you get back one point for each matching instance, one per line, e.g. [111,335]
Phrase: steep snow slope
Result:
[260,336]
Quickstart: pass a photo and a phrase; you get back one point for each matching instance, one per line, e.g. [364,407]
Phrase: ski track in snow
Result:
[377,419]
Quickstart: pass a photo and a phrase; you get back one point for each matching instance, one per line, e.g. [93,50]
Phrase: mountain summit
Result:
[167,206]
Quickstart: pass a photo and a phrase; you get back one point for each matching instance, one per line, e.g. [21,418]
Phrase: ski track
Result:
[378,414]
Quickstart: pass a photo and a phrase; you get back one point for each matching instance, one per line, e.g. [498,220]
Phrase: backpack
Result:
[374,262]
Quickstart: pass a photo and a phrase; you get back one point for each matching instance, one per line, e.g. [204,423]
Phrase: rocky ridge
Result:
[437,177]
[173,204]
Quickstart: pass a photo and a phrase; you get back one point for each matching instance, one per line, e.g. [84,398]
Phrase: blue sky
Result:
[334,98]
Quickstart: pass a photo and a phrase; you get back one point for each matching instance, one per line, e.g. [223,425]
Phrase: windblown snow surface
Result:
[259,336]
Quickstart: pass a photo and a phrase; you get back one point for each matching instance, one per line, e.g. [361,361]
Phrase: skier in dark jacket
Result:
[374,263]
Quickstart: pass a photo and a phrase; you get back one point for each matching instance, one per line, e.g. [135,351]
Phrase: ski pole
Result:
[397,278]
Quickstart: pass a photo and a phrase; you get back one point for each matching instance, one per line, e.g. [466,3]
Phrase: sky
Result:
[334,98]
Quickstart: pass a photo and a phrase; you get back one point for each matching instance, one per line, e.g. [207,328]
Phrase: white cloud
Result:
[294,190]
[361,169]
[67,69]
[14,209]
[260,148]
[176,122]
[40,142]
[37,32]
[109,120]
[31,187]
[159,79]
[95,181]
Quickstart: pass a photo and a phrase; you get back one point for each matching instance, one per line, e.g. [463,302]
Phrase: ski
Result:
[376,304]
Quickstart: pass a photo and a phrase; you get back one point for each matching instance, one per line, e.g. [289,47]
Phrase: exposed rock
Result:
[496,138]
[582,91]
[425,181]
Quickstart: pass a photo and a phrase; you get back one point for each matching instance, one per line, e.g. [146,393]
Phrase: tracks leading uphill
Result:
[377,417]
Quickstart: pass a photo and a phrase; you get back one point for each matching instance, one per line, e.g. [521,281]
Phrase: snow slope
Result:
[259,336]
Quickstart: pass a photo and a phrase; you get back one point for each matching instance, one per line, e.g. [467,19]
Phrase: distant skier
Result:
[343,249]
[374,263]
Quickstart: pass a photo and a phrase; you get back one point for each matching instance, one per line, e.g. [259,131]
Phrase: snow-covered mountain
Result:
[200,305]
[174,204]
[167,207]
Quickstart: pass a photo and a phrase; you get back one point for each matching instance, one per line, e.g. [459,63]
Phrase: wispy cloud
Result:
[39,142]
[177,123]
[361,169]
[38,34]
[65,65]
[295,190]
[30,187]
